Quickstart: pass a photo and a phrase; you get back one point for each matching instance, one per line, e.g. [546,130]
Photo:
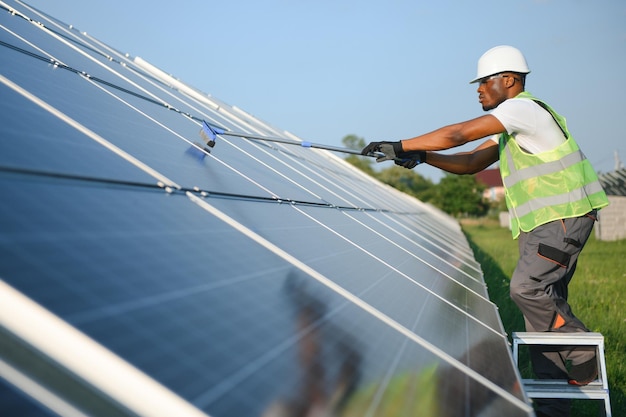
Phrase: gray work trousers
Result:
[548,257]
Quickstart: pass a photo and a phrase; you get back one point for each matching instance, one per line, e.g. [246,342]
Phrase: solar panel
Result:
[614,182]
[142,275]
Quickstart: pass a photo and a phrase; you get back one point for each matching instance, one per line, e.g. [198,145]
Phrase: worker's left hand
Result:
[410,160]
[391,150]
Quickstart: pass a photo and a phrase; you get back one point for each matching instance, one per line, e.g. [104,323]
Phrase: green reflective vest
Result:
[552,185]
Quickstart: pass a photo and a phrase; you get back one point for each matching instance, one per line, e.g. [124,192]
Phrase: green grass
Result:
[597,295]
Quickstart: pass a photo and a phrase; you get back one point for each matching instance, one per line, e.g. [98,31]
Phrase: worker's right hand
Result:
[390,150]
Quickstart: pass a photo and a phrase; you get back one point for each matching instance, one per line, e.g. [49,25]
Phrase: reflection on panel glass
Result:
[253,278]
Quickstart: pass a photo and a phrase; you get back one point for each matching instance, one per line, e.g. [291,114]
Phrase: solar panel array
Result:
[614,183]
[143,275]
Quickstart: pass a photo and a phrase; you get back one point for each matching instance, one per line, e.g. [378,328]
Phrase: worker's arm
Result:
[414,150]
[454,135]
[465,162]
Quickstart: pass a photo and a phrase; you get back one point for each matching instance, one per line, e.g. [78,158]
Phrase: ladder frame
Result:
[560,388]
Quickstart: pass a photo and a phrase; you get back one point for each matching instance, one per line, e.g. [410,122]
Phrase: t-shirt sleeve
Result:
[515,115]
[533,128]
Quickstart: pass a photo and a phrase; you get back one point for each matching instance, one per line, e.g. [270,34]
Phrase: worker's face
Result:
[492,91]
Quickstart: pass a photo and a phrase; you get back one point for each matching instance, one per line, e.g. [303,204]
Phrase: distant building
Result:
[492,179]
[612,219]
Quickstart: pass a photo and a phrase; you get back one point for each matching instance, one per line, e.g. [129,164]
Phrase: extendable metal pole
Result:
[209,134]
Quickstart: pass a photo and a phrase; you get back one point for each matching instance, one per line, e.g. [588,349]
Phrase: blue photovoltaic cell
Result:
[262,279]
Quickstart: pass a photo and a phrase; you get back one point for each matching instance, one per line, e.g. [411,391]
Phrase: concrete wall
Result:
[505,219]
[612,220]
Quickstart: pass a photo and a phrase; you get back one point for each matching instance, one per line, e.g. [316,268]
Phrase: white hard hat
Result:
[499,59]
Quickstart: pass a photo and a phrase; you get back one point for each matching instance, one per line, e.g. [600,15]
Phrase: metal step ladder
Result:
[544,388]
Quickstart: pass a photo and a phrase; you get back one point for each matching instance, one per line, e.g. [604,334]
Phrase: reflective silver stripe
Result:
[516,176]
[512,170]
[541,202]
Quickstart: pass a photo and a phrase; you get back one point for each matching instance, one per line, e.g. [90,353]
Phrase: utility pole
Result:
[618,163]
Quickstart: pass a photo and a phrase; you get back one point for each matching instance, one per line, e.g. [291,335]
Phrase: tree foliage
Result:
[457,195]
[357,143]
[362,163]
[460,196]
[406,180]
[353,142]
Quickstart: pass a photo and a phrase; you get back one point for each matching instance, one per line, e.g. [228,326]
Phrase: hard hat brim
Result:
[475,80]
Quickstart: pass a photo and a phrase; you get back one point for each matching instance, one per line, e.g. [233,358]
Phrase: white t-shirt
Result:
[532,126]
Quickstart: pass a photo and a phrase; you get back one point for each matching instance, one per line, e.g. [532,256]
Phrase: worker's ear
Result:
[510,81]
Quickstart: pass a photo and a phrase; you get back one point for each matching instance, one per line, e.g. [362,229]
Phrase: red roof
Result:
[490,177]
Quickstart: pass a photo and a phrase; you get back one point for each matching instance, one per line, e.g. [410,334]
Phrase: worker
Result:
[552,193]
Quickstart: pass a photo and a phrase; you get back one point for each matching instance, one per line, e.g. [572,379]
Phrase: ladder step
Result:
[552,338]
[561,389]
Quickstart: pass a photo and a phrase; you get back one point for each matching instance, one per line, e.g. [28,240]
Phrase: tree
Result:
[407,181]
[363,163]
[460,195]
[353,142]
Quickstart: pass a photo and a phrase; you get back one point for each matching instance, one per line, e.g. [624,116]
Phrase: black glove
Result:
[391,150]
[411,159]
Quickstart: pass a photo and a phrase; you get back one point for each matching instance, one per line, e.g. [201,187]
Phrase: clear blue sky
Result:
[383,70]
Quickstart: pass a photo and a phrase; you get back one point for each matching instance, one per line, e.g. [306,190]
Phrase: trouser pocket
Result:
[553,254]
